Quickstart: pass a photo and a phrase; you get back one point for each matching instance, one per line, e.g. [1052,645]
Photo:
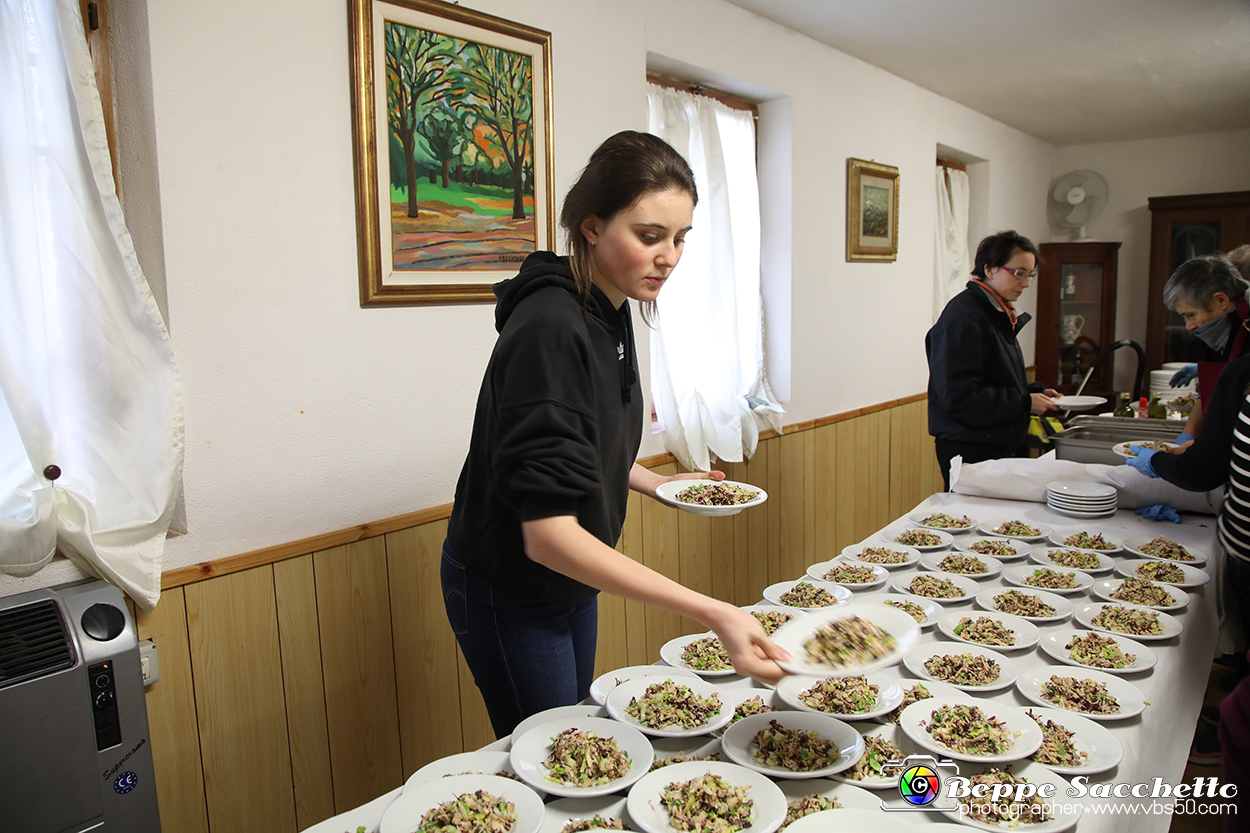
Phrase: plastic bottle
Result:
[1123,409]
[1143,408]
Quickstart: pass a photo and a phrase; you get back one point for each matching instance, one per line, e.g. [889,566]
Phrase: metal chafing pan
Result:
[1088,439]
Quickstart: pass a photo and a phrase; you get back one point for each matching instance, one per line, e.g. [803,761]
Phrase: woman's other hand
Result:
[1142,461]
[751,652]
[1052,393]
[697,475]
[1042,403]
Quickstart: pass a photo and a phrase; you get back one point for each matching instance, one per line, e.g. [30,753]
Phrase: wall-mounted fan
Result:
[1075,199]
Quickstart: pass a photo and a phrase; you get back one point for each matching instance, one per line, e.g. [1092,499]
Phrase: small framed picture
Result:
[871,211]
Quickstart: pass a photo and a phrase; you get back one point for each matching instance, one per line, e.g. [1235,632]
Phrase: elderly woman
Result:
[1210,294]
[979,397]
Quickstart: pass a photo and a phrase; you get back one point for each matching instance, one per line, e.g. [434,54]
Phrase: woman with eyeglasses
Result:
[979,397]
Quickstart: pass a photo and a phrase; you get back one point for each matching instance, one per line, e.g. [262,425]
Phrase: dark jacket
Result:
[978,391]
[557,429]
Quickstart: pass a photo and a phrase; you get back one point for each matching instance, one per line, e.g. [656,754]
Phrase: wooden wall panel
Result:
[475,728]
[425,648]
[660,547]
[295,591]
[878,458]
[790,558]
[823,494]
[631,544]
[232,626]
[354,612]
[847,485]
[171,718]
[694,536]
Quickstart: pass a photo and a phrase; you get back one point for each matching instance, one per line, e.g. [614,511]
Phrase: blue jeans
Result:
[526,656]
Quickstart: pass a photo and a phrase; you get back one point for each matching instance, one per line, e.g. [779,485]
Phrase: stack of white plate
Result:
[1081,499]
[1159,382]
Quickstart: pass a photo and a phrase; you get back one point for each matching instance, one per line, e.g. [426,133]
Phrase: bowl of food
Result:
[715,498]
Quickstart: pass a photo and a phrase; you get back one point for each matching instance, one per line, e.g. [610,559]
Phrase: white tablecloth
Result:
[1156,743]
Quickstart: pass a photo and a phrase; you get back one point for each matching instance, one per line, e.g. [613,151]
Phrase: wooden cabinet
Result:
[1183,227]
[1076,287]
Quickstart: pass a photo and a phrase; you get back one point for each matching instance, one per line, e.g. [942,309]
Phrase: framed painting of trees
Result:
[451,128]
[871,211]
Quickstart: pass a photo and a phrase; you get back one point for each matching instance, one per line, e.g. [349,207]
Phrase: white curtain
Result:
[707,351]
[88,382]
[951,260]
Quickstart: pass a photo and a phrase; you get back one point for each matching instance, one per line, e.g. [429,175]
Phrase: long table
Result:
[1156,743]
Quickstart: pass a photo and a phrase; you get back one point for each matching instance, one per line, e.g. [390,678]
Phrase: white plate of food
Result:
[970,668]
[558,814]
[1051,579]
[891,556]
[646,806]
[943,588]
[1141,592]
[1165,549]
[1074,745]
[1056,814]
[690,496]
[1015,528]
[771,617]
[971,565]
[991,629]
[553,757]
[671,751]
[882,743]
[968,729]
[1124,449]
[943,522]
[925,540]
[405,813]
[1164,572]
[1037,606]
[548,715]
[1107,652]
[793,744]
[851,820]
[646,704]
[1141,623]
[853,575]
[846,698]
[748,701]
[807,594]
[926,612]
[480,762]
[1078,403]
[1082,539]
[702,653]
[604,683]
[1004,549]
[1085,691]
[1066,558]
[817,642]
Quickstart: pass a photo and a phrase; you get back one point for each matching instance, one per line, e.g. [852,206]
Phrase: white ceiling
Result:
[1067,71]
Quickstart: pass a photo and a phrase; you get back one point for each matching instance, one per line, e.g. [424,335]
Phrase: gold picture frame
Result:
[871,211]
[453,148]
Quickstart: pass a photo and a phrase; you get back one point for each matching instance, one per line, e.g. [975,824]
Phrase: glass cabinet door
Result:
[1189,240]
[1081,338]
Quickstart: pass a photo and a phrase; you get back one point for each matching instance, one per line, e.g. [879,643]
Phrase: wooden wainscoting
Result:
[299,688]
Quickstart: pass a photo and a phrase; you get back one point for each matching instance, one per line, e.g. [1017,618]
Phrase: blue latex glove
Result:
[1142,461]
[1184,376]
[1181,439]
[1160,512]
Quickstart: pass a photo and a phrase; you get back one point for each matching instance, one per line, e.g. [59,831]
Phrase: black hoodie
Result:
[557,429]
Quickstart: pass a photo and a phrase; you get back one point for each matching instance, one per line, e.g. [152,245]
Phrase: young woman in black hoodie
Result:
[542,496]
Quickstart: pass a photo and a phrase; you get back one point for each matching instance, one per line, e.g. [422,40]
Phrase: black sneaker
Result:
[1205,750]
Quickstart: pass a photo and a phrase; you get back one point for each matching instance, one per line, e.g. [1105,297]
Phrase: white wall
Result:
[1135,171]
[306,414]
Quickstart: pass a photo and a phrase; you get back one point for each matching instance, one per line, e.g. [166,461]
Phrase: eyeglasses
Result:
[1021,274]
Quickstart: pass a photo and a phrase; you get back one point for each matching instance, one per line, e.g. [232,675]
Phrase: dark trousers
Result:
[525,656]
[971,452]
